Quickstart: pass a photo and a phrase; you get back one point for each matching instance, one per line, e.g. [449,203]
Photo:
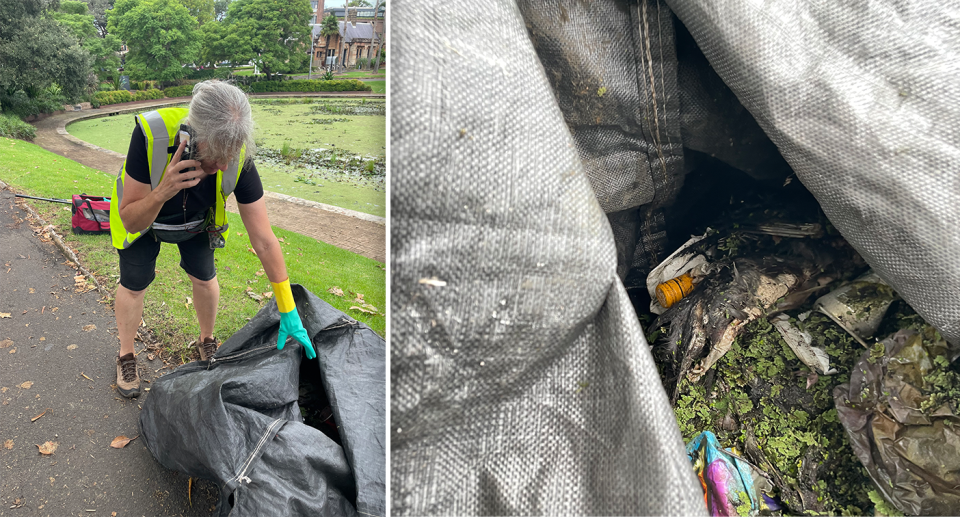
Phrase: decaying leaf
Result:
[434,281]
[34,419]
[189,301]
[47,448]
[359,298]
[85,376]
[254,295]
[151,357]
[26,385]
[267,295]
[336,291]
[13,350]
[72,347]
[32,290]
[190,491]
[122,441]
[367,308]
[259,273]
[251,250]
[5,315]
[88,328]
[42,338]
[6,343]
[8,444]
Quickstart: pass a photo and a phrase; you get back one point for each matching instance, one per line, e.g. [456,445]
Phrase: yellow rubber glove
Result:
[290,324]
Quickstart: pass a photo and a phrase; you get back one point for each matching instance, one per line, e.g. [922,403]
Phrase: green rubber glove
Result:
[290,324]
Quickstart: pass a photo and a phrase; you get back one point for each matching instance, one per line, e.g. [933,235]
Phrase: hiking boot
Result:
[207,348]
[128,381]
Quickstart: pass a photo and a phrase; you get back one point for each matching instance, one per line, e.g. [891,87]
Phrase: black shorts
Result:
[138,263]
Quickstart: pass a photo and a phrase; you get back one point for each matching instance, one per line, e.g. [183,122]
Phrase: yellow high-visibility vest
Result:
[160,128]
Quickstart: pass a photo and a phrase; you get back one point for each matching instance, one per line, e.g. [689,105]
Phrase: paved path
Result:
[353,231]
[56,359]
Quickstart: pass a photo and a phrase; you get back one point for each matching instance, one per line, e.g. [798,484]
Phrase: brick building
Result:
[361,35]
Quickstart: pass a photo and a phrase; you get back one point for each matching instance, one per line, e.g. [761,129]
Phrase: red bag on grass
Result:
[91,214]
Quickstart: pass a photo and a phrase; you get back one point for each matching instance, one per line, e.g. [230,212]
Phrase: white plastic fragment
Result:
[800,342]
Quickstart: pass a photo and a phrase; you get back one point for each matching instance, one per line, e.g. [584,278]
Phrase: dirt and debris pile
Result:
[776,326]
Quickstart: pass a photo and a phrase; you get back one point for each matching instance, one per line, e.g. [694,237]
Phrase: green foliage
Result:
[881,506]
[12,127]
[74,16]
[220,9]
[328,76]
[22,105]
[179,91]
[329,26]
[106,59]
[309,85]
[358,3]
[36,51]
[161,35]
[201,10]
[98,9]
[143,85]
[116,97]
[278,40]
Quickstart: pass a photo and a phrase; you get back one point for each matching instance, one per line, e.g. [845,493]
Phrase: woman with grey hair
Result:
[182,165]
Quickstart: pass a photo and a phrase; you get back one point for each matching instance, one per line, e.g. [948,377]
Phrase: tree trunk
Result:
[376,66]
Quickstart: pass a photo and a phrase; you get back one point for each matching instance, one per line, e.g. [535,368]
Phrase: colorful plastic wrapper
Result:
[731,484]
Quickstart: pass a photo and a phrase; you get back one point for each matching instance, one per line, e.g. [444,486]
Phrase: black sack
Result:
[236,420]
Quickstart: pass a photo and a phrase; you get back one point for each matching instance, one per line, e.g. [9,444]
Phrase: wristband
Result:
[284,296]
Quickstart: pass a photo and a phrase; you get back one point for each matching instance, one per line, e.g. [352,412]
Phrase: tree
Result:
[99,8]
[202,10]
[276,35]
[75,17]
[160,34]
[358,3]
[220,9]
[37,52]
[379,47]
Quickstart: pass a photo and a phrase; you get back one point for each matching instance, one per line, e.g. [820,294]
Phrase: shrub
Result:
[143,85]
[23,106]
[308,85]
[116,97]
[105,87]
[222,73]
[201,75]
[12,127]
[185,90]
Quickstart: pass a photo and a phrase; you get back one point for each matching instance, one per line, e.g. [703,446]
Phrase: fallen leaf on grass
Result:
[88,328]
[34,419]
[251,250]
[47,448]
[189,301]
[367,308]
[336,291]
[254,295]
[8,444]
[259,273]
[5,315]
[26,385]
[6,343]
[358,299]
[122,441]
[72,347]
[267,295]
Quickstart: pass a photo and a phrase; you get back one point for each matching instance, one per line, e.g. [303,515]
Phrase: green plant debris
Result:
[881,506]
[759,394]
[602,90]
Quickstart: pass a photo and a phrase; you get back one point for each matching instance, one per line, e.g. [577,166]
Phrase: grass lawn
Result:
[315,265]
[295,123]
[362,74]
[378,86]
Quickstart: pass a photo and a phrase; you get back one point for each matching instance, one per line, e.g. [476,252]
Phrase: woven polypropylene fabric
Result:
[861,100]
[521,381]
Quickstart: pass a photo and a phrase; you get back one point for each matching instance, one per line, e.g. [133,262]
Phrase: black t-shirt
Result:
[198,198]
